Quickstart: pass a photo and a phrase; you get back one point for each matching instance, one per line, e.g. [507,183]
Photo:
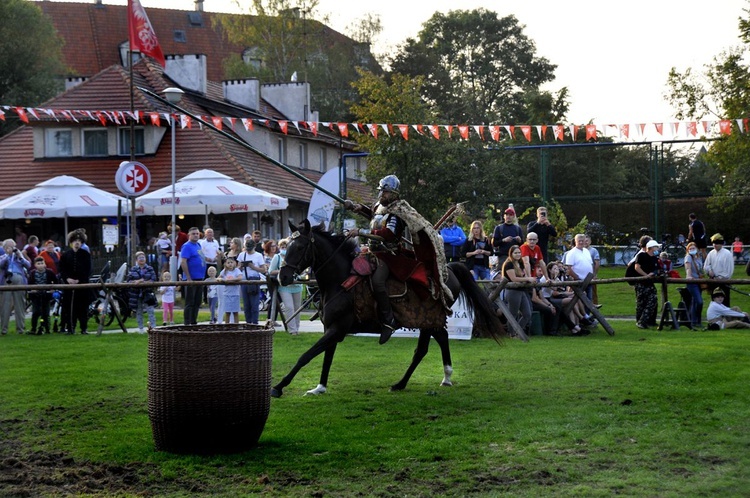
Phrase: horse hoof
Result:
[321,389]
[397,387]
[275,393]
[446,384]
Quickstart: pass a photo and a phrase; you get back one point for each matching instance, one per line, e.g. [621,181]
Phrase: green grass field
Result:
[641,413]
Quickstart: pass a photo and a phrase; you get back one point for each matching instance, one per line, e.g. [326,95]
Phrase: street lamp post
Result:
[173,95]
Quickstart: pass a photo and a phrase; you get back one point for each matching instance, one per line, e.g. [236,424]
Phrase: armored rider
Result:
[406,235]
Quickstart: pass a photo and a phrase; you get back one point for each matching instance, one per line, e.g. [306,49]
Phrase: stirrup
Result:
[386,330]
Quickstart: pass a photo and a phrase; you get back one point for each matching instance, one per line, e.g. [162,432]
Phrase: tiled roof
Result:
[196,148]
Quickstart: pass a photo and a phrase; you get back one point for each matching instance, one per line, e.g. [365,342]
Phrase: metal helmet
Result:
[389,183]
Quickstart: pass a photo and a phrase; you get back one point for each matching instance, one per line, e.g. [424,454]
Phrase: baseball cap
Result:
[652,243]
[510,211]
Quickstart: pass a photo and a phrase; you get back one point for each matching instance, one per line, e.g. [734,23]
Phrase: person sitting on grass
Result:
[720,316]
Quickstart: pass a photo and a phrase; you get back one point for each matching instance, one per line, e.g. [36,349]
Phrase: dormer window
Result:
[180,36]
[58,142]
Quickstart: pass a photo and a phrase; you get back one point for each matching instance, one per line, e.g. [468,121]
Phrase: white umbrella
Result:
[207,191]
[61,197]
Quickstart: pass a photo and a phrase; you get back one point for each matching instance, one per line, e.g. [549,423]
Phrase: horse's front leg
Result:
[423,344]
[327,360]
[324,343]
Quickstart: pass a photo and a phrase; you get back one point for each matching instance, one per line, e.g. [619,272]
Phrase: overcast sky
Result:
[614,57]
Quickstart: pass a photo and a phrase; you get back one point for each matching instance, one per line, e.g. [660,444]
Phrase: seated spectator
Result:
[736,249]
[720,316]
[665,266]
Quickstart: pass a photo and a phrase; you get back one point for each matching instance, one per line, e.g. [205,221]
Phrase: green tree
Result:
[31,66]
[477,66]
[721,90]
[284,37]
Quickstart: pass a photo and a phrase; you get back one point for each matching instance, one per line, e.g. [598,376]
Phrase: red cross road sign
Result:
[132,178]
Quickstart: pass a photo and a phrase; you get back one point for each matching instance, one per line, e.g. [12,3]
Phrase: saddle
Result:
[365,264]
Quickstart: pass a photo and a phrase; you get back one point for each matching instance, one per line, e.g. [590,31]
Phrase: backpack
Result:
[630,272]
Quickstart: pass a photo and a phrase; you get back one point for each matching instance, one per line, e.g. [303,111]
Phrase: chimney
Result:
[243,92]
[292,99]
[199,5]
[188,71]
[72,81]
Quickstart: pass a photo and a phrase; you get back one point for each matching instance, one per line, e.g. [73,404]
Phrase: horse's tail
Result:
[486,321]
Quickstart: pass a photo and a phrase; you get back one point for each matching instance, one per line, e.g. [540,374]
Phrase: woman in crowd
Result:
[645,292]
[141,299]
[51,256]
[13,269]
[694,271]
[477,251]
[270,249]
[75,268]
[561,296]
[235,248]
[291,295]
[519,300]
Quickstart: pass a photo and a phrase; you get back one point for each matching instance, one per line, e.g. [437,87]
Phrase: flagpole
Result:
[131,229]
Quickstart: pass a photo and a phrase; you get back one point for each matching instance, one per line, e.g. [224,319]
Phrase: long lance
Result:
[241,142]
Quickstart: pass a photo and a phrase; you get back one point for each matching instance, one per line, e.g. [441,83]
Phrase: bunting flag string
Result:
[497,132]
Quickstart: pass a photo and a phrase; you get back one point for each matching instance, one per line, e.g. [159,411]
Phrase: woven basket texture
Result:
[209,387]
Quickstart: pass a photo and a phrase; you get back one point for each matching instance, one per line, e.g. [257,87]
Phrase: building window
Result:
[282,151]
[58,143]
[322,160]
[303,156]
[180,36]
[123,141]
[95,142]
[251,57]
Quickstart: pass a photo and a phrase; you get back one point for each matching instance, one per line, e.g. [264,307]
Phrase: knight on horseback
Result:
[407,243]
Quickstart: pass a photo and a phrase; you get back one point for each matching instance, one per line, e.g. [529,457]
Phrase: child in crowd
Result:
[736,249]
[164,248]
[167,299]
[40,299]
[213,294]
[721,316]
[230,294]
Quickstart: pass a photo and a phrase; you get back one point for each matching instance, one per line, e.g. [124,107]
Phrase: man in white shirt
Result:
[719,265]
[579,263]
[252,264]
[212,253]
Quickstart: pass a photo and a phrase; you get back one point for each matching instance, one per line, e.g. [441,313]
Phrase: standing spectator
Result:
[477,251]
[544,229]
[579,261]
[212,254]
[258,241]
[597,260]
[141,272]
[645,292]
[40,298]
[179,239]
[51,256]
[252,265]
[291,295]
[235,248]
[211,249]
[737,249]
[697,234]
[21,239]
[531,255]
[453,240]
[507,234]
[694,271]
[164,248]
[270,248]
[13,268]
[213,295]
[167,299]
[719,265]
[31,250]
[230,294]
[519,300]
[75,268]
[721,316]
[193,270]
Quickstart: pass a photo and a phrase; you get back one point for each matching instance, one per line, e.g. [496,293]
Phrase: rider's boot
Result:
[388,323]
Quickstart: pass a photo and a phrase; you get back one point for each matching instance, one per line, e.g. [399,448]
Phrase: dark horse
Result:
[344,312]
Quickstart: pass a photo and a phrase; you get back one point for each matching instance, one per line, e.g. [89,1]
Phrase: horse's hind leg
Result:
[420,352]
[441,337]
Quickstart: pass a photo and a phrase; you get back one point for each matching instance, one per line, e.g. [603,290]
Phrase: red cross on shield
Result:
[132,178]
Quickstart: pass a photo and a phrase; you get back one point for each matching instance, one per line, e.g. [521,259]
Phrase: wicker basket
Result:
[209,387]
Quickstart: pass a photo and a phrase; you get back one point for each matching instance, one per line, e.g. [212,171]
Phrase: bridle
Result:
[310,247]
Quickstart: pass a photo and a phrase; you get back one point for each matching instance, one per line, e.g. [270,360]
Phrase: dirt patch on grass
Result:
[36,473]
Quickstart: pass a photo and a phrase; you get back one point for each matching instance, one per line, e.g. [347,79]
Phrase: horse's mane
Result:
[335,240]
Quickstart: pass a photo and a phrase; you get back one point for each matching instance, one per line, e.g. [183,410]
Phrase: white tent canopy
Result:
[62,197]
[207,191]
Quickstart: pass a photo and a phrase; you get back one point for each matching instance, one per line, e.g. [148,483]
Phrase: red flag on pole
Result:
[142,36]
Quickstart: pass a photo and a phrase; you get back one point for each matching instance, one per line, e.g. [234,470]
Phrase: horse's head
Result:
[299,252]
